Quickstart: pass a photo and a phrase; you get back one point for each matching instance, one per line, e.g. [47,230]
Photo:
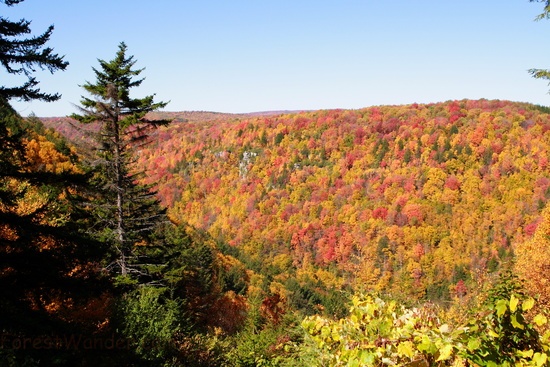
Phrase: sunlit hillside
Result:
[410,200]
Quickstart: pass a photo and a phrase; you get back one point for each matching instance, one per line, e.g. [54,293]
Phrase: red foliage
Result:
[530,228]
[228,312]
[452,183]
[460,288]
[380,213]
[273,308]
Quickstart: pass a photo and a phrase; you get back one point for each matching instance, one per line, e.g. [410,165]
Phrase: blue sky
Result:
[259,55]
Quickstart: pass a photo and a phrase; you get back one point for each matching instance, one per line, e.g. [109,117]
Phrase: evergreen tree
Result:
[542,73]
[49,277]
[22,56]
[546,11]
[129,212]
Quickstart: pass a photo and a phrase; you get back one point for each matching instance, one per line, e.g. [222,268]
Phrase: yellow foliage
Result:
[533,261]
[42,155]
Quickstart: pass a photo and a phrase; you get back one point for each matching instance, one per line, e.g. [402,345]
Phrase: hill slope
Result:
[411,199]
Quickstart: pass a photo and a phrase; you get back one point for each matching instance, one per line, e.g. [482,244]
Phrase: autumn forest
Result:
[406,235]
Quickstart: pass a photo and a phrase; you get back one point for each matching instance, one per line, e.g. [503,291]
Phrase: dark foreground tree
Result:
[128,213]
[23,56]
[51,290]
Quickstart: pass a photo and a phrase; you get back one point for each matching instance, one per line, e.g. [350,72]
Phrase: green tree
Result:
[49,278]
[546,12]
[128,212]
[540,74]
[22,56]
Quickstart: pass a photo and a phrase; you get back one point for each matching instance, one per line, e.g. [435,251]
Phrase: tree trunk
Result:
[120,197]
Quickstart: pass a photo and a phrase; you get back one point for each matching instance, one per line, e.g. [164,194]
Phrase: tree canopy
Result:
[546,11]
[23,56]
[130,211]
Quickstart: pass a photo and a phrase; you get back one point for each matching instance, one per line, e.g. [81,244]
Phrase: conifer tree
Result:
[49,275]
[546,11]
[542,73]
[22,56]
[130,212]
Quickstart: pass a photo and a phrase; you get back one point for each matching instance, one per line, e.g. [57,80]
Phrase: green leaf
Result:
[501,307]
[427,345]
[473,344]
[528,304]
[367,358]
[513,303]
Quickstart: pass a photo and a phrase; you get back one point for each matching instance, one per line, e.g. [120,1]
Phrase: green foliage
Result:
[151,322]
[502,336]
[378,332]
[265,345]
[503,331]
[546,10]
[127,212]
[24,56]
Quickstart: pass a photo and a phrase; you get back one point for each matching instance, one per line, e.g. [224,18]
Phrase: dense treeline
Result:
[413,235]
[298,212]
[420,200]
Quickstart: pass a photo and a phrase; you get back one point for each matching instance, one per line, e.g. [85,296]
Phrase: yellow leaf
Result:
[540,320]
[406,348]
[528,304]
[501,307]
[492,334]
[527,353]
[515,322]
[513,303]
[540,359]
[445,352]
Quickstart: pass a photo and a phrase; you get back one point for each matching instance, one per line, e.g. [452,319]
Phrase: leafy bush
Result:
[378,332]
[151,322]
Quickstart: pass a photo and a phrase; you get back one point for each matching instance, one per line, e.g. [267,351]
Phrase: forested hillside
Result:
[415,200]
[409,235]
[305,211]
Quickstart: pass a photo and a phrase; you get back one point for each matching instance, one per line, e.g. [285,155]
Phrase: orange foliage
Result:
[42,155]
[533,261]
[357,191]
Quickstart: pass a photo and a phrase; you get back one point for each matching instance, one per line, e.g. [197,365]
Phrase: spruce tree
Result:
[546,10]
[22,56]
[49,277]
[128,213]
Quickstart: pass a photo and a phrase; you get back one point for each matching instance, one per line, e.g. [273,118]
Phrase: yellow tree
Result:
[533,261]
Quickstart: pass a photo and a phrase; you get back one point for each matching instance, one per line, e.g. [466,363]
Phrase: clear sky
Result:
[259,55]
